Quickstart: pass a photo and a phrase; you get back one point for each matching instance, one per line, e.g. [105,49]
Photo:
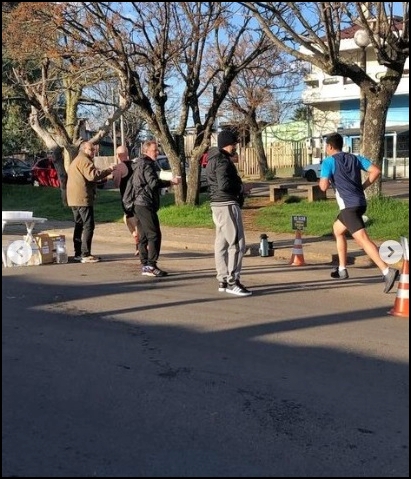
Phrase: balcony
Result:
[323,89]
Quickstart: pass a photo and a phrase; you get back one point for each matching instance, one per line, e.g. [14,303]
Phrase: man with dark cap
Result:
[227,196]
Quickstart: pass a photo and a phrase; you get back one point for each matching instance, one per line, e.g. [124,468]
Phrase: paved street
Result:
[107,373]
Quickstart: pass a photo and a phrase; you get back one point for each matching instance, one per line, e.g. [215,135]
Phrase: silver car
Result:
[312,172]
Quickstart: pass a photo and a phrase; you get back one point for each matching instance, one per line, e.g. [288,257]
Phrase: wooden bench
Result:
[314,193]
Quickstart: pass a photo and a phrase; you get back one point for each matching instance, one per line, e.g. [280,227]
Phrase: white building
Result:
[335,102]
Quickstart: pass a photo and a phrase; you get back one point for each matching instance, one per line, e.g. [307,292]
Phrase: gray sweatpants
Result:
[229,245]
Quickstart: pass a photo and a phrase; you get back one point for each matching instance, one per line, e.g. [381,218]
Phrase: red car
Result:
[45,173]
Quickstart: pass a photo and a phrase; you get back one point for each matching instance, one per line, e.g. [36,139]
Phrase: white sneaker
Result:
[90,259]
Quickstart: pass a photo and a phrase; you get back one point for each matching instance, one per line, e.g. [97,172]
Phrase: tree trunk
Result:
[374,130]
[257,141]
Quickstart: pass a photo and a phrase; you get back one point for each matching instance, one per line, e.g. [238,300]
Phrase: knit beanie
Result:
[225,138]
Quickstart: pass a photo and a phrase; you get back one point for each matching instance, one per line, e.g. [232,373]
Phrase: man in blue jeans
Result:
[82,176]
[343,172]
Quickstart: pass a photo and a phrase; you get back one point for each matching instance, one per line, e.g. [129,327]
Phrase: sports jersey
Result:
[343,170]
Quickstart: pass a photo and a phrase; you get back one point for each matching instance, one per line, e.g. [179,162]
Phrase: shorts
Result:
[351,218]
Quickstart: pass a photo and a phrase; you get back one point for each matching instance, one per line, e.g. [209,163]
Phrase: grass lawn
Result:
[388,217]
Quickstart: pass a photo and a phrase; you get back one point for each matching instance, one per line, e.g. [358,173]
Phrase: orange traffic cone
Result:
[401,304]
[297,257]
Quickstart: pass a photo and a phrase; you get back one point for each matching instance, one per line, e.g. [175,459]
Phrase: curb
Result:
[202,241]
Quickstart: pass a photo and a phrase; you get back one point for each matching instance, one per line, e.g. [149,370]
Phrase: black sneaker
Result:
[390,278]
[222,286]
[238,289]
[337,274]
[153,271]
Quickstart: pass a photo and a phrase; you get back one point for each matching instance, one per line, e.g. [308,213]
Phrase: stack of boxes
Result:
[44,249]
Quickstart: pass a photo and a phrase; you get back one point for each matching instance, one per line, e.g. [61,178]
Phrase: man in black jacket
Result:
[143,194]
[227,196]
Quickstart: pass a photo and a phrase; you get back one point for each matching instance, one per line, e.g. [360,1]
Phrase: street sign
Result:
[299,222]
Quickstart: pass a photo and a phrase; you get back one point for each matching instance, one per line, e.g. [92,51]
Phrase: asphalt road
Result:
[110,374]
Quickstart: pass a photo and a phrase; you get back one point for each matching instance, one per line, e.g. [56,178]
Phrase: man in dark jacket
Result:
[227,196]
[143,194]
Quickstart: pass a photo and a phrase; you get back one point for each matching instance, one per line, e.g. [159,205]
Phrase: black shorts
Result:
[351,218]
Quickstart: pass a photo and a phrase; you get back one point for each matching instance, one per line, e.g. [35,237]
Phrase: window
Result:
[356,145]
[312,83]
[330,81]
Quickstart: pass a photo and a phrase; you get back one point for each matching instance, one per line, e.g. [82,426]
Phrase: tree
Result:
[189,47]
[311,32]
[260,94]
[53,75]
[301,113]
[16,132]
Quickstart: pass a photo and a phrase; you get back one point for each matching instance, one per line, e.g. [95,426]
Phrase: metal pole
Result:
[363,100]
[114,124]
[362,40]
[123,142]
[394,151]
[309,134]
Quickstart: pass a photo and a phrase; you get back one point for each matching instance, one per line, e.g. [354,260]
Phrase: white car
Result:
[312,172]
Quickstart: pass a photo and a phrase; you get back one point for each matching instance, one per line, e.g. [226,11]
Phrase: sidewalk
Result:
[320,250]
[315,249]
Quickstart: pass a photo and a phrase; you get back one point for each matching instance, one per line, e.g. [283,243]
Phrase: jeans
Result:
[83,229]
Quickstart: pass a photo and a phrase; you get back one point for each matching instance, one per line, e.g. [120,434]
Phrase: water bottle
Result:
[61,252]
[35,259]
[263,245]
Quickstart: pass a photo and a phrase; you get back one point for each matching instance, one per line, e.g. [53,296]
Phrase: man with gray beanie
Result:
[226,197]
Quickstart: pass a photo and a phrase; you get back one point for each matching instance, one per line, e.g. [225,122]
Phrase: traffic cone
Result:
[401,303]
[297,257]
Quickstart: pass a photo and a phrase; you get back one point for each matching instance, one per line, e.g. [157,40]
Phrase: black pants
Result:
[148,226]
[83,229]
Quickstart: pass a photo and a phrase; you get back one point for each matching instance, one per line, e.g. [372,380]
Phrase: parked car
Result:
[312,172]
[162,163]
[45,173]
[16,171]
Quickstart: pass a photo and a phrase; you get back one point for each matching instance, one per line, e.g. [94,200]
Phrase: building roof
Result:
[388,129]
[349,32]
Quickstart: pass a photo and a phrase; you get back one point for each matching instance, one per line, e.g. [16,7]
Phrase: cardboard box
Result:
[42,250]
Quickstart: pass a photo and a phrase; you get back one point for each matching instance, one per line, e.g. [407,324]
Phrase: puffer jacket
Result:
[143,188]
[224,183]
